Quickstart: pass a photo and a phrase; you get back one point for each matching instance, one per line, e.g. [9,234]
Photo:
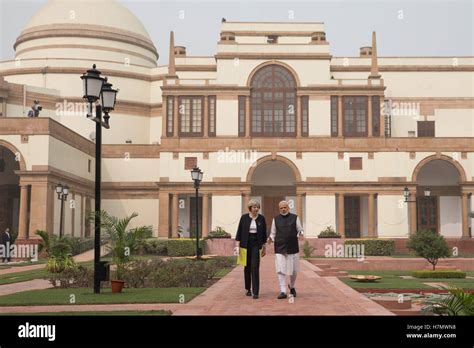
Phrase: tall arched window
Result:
[273,93]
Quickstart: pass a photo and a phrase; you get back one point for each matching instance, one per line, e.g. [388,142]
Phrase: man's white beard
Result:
[285,213]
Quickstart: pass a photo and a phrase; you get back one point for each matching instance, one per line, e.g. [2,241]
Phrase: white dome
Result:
[79,22]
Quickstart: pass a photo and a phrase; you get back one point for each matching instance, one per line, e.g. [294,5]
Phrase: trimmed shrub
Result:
[429,245]
[439,274]
[153,246]
[78,277]
[374,247]
[219,232]
[329,232]
[307,249]
[182,247]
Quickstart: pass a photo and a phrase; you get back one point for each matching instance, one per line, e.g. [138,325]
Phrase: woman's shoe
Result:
[255,297]
[249,293]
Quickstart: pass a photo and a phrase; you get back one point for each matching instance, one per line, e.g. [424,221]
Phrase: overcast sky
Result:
[404,28]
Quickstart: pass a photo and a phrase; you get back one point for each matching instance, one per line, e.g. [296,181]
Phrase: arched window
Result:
[273,103]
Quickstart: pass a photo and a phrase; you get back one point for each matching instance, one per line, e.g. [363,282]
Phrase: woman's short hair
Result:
[253,203]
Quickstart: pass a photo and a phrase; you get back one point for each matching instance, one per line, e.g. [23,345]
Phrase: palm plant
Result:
[57,250]
[121,240]
[457,303]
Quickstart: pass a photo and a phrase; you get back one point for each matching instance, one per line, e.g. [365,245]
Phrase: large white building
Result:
[271,115]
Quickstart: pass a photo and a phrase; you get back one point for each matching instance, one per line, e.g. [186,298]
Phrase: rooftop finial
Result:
[374,70]
[171,62]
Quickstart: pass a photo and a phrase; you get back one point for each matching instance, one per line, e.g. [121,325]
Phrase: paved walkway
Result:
[315,296]
[35,284]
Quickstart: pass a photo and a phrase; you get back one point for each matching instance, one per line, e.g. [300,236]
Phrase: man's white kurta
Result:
[287,263]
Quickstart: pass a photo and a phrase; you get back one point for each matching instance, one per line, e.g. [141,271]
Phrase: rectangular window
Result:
[426,128]
[242,115]
[304,116]
[212,115]
[376,116]
[355,163]
[190,116]
[190,163]
[355,116]
[334,113]
[169,116]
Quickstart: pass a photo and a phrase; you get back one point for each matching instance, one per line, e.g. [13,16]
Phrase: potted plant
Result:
[122,241]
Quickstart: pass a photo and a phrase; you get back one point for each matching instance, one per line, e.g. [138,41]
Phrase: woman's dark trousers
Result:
[251,271]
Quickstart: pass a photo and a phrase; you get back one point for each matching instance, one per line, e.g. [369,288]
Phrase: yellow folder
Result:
[242,258]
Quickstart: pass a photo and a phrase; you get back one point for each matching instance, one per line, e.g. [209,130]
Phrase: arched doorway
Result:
[439,211]
[273,180]
[9,190]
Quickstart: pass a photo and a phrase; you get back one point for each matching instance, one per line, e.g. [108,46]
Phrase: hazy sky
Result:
[404,28]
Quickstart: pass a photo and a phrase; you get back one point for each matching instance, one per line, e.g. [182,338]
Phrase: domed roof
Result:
[107,13]
[77,29]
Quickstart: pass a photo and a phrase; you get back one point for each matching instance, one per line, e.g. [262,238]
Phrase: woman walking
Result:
[252,236]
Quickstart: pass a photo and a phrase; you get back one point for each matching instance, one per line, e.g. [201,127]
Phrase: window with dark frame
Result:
[375,116]
[426,129]
[212,115]
[355,163]
[304,116]
[191,110]
[242,114]
[334,113]
[355,116]
[273,102]
[169,115]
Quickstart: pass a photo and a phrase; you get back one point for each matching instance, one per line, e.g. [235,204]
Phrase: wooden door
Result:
[427,211]
[352,216]
[270,209]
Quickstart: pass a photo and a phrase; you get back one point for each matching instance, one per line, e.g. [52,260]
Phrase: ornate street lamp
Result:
[62,192]
[406,194]
[196,175]
[96,88]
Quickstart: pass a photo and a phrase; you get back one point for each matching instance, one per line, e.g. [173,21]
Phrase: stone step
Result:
[414,310]
[392,303]
[333,273]
[322,265]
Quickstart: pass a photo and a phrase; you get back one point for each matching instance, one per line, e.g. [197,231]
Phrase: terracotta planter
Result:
[117,286]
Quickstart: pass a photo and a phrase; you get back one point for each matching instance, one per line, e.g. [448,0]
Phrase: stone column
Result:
[205,214]
[371,222]
[174,216]
[40,200]
[206,117]
[23,216]
[163,223]
[412,208]
[339,117]
[369,116]
[248,124]
[340,214]
[465,213]
[299,206]
[297,109]
[245,200]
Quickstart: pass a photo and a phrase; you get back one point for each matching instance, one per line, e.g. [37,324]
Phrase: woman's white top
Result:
[253,224]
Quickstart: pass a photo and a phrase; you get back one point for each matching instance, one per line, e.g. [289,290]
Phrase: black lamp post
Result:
[62,192]
[406,194]
[96,88]
[196,175]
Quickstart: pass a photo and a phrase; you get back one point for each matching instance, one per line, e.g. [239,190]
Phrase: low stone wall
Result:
[219,246]
[384,263]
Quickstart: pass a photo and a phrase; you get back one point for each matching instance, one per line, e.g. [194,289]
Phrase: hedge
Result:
[182,247]
[439,274]
[374,247]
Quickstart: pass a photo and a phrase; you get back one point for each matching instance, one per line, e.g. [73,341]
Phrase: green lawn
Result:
[392,280]
[22,276]
[90,314]
[86,296]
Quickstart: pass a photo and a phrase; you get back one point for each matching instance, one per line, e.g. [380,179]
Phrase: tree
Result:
[429,245]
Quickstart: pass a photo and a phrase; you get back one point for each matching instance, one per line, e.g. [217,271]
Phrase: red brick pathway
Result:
[315,296]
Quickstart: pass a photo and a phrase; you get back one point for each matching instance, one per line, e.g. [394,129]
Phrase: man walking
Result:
[286,229]
[5,240]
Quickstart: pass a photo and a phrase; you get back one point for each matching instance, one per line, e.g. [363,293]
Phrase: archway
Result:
[272,180]
[439,211]
[10,162]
